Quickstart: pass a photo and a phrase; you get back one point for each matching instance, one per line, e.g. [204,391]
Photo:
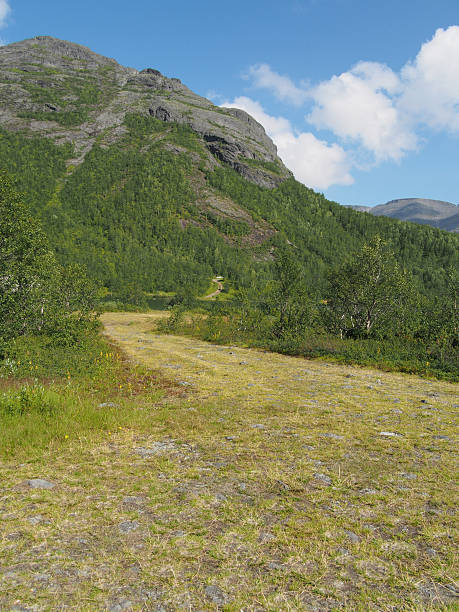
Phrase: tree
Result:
[27,266]
[288,300]
[367,292]
[37,295]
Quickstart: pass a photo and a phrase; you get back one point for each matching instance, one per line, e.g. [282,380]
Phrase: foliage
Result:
[324,232]
[47,357]
[37,165]
[383,321]
[36,294]
[272,166]
[53,393]
[174,321]
[66,118]
[27,268]
[128,215]
[29,398]
[288,300]
[367,292]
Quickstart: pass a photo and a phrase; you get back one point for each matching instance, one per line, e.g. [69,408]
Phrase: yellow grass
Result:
[268,483]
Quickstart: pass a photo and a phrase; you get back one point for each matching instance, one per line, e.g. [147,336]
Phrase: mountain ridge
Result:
[95,112]
[437,213]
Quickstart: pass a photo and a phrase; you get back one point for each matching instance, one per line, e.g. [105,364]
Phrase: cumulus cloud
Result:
[312,161]
[370,112]
[431,82]
[263,77]
[374,110]
[359,106]
[5,10]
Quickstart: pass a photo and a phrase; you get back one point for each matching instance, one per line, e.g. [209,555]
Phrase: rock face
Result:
[437,213]
[69,93]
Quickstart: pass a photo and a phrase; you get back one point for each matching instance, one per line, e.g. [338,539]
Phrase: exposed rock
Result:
[59,67]
[216,595]
[128,526]
[120,606]
[36,520]
[353,537]
[323,478]
[39,483]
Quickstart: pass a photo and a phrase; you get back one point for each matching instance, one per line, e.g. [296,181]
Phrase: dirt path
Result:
[267,483]
[251,375]
[217,292]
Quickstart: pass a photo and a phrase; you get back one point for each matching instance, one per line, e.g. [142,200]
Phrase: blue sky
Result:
[361,96]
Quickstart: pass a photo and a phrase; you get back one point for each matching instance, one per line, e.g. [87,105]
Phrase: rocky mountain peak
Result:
[47,50]
[67,92]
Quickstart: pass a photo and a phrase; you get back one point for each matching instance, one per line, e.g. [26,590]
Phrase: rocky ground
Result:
[264,482]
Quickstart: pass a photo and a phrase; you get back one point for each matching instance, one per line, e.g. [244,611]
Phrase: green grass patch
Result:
[64,118]
[52,394]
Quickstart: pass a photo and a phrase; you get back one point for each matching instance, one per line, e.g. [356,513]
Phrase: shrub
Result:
[29,399]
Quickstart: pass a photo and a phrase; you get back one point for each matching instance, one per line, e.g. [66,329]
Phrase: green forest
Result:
[131,217]
[129,213]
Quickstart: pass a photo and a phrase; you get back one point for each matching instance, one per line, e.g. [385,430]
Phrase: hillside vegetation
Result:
[152,187]
[132,214]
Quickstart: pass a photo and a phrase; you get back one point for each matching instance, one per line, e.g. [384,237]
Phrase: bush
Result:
[29,399]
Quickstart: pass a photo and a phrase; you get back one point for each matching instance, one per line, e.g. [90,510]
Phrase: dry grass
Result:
[266,478]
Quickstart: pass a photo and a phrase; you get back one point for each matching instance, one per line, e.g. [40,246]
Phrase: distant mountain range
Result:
[436,213]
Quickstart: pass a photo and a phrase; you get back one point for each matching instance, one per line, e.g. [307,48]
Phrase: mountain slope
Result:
[72,94]
[436,213]
[153,187]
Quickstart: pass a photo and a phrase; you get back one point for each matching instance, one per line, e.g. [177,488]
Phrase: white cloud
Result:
[359,106]
[375,113]
[431,82]
[5,10]
[376,110]
[283,87]
[312,161]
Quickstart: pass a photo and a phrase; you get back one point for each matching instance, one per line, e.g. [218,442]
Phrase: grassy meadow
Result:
[190,476]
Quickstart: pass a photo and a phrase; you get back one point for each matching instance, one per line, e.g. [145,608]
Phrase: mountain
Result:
[151,186]
[436,213]
[72,94]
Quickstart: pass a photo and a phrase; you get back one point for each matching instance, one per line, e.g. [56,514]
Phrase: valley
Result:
[281,435]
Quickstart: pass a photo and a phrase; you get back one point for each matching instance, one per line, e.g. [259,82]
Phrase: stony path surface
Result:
[253,376]
[270,483]
[217,291]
